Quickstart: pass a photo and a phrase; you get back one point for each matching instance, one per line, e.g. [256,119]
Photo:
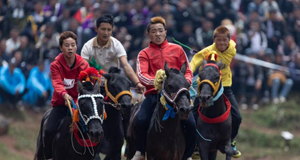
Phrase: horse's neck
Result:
[112,121]
[217,109]
[171,124]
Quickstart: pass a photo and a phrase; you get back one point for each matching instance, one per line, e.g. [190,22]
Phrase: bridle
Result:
[95,114]
[115,99]
[173,97]
[215,86]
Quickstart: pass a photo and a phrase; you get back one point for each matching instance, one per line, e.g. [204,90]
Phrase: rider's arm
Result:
[142,68]
[128,69]
[197,60]
[188,74]
[85,52]
[57,81]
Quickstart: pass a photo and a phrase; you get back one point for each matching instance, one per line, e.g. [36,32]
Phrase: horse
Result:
[214,121]
[118,107]
[77,140]
[165,138]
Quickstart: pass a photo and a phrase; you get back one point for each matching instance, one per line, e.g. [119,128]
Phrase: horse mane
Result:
[114,70]
[211,61]
[88,86]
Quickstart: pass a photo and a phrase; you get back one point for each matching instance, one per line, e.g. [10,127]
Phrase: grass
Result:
[259,136]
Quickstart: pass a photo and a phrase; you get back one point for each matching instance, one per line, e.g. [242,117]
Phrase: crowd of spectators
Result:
[268,30]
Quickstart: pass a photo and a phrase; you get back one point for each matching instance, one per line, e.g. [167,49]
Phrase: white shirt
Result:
[107,56]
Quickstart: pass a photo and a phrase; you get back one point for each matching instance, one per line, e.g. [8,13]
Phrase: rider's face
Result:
[222,41]
[69,48]
[104,31]
[157,33]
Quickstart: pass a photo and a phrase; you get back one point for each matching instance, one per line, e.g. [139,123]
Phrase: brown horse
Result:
[165,139]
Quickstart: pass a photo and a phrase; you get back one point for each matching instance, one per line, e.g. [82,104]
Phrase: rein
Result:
[116,103]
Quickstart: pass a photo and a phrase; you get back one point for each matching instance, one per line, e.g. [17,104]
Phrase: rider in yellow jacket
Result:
[225,49]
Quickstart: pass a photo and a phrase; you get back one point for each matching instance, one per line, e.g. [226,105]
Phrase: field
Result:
[259,137]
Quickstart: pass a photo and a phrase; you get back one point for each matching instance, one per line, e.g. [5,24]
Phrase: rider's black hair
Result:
[106,18]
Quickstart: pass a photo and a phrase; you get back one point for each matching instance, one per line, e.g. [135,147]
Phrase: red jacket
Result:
[153,58]
[64,79]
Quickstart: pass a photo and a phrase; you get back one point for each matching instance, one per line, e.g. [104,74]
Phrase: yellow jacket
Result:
[225,56]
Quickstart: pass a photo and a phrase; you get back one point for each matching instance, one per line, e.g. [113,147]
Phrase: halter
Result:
[95,111]
[214,86]
[172,98]
[116,104]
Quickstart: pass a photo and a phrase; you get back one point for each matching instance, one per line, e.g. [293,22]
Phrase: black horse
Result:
[118,107]
[81,140]
[214,121]
[165,139]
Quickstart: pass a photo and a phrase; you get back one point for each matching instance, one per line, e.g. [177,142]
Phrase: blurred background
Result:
[264,30]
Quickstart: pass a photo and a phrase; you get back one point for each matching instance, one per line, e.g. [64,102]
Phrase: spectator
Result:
[3,52]
[4,20]
[47,40]
[294,70]
[257,38]
[53,10]
[12,83]
[122,17]
[269,5]
[29,54]
[251,78]
[84,12]
[277,79]
[274,29]
[35,23]
[256,6]
[288,48]
[201,11]
[14,42]
[204,34]
[39,87]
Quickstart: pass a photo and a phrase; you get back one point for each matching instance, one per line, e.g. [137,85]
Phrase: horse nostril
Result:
[205,98]
[94,133]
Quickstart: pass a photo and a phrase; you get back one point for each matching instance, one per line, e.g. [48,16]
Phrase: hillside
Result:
[259,137]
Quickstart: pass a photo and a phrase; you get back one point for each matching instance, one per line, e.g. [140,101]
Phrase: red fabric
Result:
[81,141]
[78,16]
[153,58]
[60,73]
[219,119]
[90,73]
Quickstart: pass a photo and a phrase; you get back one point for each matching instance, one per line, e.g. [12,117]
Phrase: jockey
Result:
[225,48]
[65,71]
[150,60]
[108,51]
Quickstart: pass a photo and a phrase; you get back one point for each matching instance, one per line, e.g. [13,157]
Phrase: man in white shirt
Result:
[107,50]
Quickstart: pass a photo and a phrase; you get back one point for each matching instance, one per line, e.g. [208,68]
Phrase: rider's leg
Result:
[143,122]
[56,115]
[235,113]
[190,136]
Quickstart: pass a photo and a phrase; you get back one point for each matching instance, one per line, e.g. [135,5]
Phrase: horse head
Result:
[117,88]
[175,89]
[91,109]
[209,82]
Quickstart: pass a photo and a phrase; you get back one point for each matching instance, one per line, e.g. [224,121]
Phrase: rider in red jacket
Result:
[64,71]
[150,60]
[154,57]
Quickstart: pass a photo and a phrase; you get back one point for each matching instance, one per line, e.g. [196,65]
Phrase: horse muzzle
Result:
[184,112]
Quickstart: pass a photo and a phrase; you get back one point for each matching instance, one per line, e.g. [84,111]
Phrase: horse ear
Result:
[107,76]
[79,87]
[97,87]
[183,67]
[219,64]
[167,69]
[204,62]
